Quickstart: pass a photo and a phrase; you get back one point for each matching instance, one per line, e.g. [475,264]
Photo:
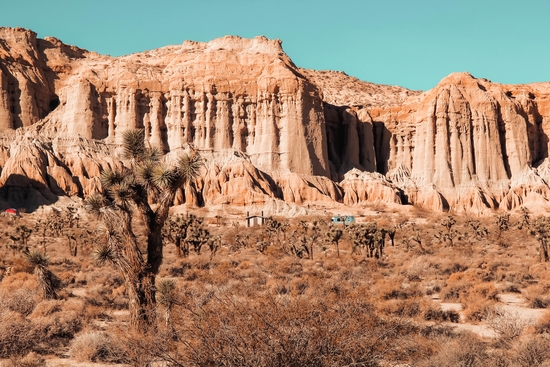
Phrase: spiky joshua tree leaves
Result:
[128,193]
[166,289]
[47,281]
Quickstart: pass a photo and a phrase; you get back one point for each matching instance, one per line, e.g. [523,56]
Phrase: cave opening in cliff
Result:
[54,102]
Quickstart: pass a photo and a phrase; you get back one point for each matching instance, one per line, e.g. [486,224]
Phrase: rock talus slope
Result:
[268,129]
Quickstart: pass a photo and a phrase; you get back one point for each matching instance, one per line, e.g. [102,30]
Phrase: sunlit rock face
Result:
[269,129]
[230,93]
[470,141]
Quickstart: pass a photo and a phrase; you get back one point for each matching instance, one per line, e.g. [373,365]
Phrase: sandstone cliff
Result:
[269,130]
[473,141]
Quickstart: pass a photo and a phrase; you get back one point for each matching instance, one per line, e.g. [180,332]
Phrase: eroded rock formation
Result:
[269,130]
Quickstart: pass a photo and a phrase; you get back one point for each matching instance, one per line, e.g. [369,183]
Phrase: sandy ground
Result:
[512,304]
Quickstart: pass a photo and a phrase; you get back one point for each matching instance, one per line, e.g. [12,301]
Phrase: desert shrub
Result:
[455,291]
[531,351]
[46,308]
[19,280]
[512,288]
[486,291]
[298,286]
[507,325]
[94,346]
[465,287]
[55,331]
[449,268]
[48,328]
[402,308]
[537,296]
[17,335]
[395,289]
[479,310]
[284,331]
[543,324]
[105,296]
[433,312]
[465,351]
[20,300]
[30,360]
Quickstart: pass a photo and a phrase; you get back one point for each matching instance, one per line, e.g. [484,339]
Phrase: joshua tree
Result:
[214,244]
[476,231]
[262,246]
[357,234]
[275,229]
[379,240]
[540,229]
[241,241]
[24,233]
[299,247]
[450,233]
[503,223]
[368,236]
[176,231]
[307,235]
[19,239]
[128,193]
[333,236]
[46,280]
[525,218]
[416,238]
[197,236]
[391,234]
[73,245]
[167,298]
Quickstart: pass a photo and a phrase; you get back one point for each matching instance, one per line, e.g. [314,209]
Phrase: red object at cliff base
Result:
[12,211]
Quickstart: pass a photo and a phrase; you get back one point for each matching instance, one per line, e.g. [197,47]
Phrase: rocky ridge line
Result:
[269,130]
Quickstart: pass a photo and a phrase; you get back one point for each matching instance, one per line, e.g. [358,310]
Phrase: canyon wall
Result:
[269,129]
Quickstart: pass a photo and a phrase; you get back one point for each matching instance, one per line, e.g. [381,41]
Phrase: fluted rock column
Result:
[126,112]
[6,122]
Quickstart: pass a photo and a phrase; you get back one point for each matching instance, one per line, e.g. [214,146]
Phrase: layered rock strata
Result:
[269,130]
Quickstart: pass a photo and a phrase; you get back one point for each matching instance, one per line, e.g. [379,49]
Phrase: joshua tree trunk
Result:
[543,250]
[178,246]
[46,282]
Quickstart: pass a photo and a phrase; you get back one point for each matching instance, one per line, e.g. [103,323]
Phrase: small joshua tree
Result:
[540,229]
[176,229]
[357,234]
[47,281]
[475,231]
[525,218]
[275,231]
[450,233]
[197,236]
[24,233]
[391,233]
[214,244]
[167,298]
[503,223]
[333,236]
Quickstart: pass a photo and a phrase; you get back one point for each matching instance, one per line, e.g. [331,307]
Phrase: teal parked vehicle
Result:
[343,219]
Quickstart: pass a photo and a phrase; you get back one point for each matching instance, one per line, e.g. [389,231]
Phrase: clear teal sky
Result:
[412,43]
